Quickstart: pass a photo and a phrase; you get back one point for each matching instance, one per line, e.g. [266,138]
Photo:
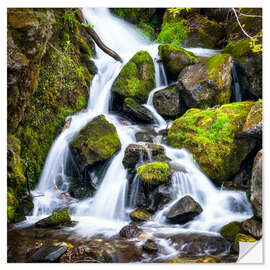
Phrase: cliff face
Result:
[49,74]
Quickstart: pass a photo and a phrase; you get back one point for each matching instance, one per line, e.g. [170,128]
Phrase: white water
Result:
[106,212]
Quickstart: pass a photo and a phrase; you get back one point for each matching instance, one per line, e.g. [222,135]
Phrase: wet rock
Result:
[253,125]
[213,138]
[155,174]
[47,254]
[218,14]
[184,210]
[240,237]
[134,153]
[136,79]
[175,59]
[139,215]
[256,186]
[150,246]
[145,136]
[129,231]
[230,230]
[96,142]
[253,227]
[57,218]
[207,84]
[81,190]
[167,102]
[137,112]
[194,244]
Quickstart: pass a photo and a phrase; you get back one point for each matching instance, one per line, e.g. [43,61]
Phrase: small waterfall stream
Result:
[106,212]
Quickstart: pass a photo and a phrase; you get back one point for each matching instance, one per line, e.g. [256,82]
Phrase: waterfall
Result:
[237,96]
[106,212]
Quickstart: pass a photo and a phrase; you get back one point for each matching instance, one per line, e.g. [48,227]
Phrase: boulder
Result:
[184,210]
[96,142]
[207,84]
[145,136]
[155,174]
[57,218]
[47,254]
[175,59]
[135,152]
[256,186]
[213,138]
[150,246]
[230,230]
[139,215]
[167,102]
[135,80]
[253,125]
[129,231]
[253,227]
[137,112]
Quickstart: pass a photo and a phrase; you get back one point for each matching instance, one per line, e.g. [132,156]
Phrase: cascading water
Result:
[106,212]
[237,96]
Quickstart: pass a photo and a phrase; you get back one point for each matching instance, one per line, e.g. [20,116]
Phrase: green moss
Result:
[212,137]
[231,229]
[60,217]
[154,173]
[239,50]
[137,78]
[140,215]
[255,116]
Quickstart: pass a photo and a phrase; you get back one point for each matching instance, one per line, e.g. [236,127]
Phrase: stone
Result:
[155,174]
[256,185]
[129,231]
[137,112]
[207,84]
[175,59]
[96,142]
[213,138]
[230,230]
[253,227]
[140,215]
[167,102]
[47,254]
[184,210]
[57,218]
[150,246]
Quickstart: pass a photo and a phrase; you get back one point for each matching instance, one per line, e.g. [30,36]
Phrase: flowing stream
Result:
[106,212]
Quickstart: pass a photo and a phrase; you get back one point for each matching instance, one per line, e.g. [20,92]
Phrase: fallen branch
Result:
[98,41]
[59,191]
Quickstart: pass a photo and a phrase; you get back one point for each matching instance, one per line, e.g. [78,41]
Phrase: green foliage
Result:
[176,11]
[173,33]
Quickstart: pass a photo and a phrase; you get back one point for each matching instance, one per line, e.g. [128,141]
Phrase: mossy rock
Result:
[207,84]
[230,230]
[175,59]
[136,79]
[61,217]
[136,111]
[253,125]
[156,173]
[212,137]
[139,215]
[96,142]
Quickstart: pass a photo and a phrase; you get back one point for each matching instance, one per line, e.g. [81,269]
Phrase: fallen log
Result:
[98,41]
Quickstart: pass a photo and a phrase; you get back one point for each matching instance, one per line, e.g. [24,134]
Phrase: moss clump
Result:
[175,59]
[154,173]
[212,137]
[97,141]
[60,217]
[231,229]
[140,215]
[137,78]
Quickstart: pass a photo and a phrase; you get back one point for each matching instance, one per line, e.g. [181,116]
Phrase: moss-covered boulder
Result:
[230,230]
[207,84]
[136,111]
[135,153]
[175,59]
[256,185]
[168,103]
[139,215]
[184,210]
[136,79]
[253,125]
[57,218]
[96,142]
[156,173]
[212,137]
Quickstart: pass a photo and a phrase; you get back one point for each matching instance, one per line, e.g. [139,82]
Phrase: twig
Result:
[58,190]
[247,15]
